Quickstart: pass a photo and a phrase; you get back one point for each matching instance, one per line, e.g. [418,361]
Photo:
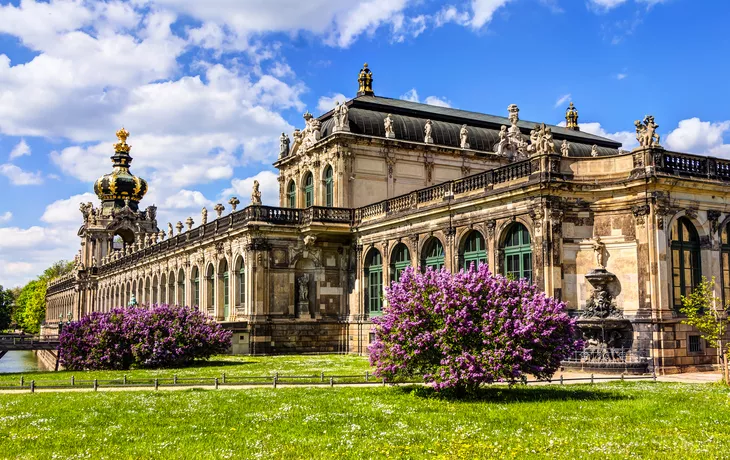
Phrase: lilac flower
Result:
[469,328]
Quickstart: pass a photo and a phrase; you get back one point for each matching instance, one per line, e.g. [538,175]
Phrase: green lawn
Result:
[616,420]
[232,366]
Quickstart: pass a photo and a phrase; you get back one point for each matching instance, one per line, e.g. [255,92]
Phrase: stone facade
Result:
[533,201]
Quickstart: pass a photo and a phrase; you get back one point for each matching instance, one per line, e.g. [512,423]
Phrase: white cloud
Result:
[562,100]
[67,211]
[449,14]
[187,199]
[606,5]
[696,136]
[18,176]
[621,76]
[269,186]
[6,217]
[21,149]
[626,138]
[412,96]
[327,103]
[483,11]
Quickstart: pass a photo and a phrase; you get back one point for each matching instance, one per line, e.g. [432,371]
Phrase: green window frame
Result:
[196,289]
[226,295]
[181,285]
[329,187]
[725,262]
[374,277]
[291,194]
[399,261]
[308,190]
[518,253]
[433,255]
[242,285]
[686,263]
[475,250]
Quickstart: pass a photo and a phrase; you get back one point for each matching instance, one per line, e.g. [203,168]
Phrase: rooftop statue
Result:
[428,129]
[464,137]
[340,117]
[646,132]
[283,145]
[565,148]
[389,132]
[256,194]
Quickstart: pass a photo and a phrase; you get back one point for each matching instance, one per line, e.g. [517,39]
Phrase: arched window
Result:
[223,270]
[686,270]
[163,288]
[210,289]
[181,287]
[291,194]
[725,260]
[374,279]
[475,250]
[329,187]
[171,288]
[399,261]
[518,253]
[308,190]
[433,255]
[241,274]
[195,276]
[155,291]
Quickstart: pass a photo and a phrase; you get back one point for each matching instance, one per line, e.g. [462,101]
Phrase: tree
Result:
[30,310]
[6,308]
[705,312]
[470,328]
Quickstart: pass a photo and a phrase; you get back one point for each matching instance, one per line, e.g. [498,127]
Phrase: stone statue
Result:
[234,202]
[203,216]
[594,151]
[162,235]
[309,241]
[312,132]
[541,140]
[389,132]
[428,129]
[599,247]
[219,208]
[179,227]
[340,116]
[464,137]
[304,288]
[256,194]
[283,145]
[502,147]
[169,230]
[86,209]
[151,212]
[133,301]
[190,222]
[565,148]
[646,132]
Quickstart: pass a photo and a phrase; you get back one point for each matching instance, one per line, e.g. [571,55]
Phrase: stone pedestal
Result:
[303,310]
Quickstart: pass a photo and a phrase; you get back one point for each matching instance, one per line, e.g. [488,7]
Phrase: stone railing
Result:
[446,190]
[685,164]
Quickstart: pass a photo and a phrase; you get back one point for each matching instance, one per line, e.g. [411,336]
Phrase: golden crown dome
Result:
[121,187]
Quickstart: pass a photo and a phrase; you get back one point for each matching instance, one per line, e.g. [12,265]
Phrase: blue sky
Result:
[205,88]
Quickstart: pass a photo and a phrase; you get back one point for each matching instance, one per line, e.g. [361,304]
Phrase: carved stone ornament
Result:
[256,194]
[691,213]
[511,144]
[541,140]
[219,208]
[179,227]
[464,137]
[646,132]
[491,226]
[565,148]
[284,145]
[189,222]
[388,122]
[203,216]
[427,131]
[713,216]
[594,151]
[640,213]
[340,118]
[599,247]
[234,202]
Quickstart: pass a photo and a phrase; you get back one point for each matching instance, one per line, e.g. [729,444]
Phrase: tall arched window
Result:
[181,287]
[686,270]
[725,260]
[475,250]
[308,190]
[195,276]
[171,288]
[399,261]
[374,278]
[163,288]
[433,255]
[210,289]
[291,194]
[241,274]
[329,187]
[226,288]
[518,253]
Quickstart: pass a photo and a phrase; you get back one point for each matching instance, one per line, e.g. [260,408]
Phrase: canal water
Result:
[20,361]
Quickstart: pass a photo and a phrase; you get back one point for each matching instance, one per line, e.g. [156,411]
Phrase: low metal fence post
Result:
[96,384]
[332,382]
[124,380]
[157,384]
[224,378]
[174,379]
[216,383]
[622,376]
[383,381]
[73,380]
[22,381]
[367,376]
[275,379]
[321,376]
[653,376]
[591,379]
[561,379]
[32,386]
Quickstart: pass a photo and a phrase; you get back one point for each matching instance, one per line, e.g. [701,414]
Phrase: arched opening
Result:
[155,290]
[400,259]
[195,280]
[517,253]
[308,190]
[123,237]
[181,287]
[171,288]
[686,269]
[329,187]
[433,255]
[147,291]
[291,194]
[210,289]
[163,289]
[725,262]
[474,250]
[224,288]
[240,271]
[374,279]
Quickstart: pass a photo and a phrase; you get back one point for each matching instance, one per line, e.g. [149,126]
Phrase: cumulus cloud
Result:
[66,211]
[6,217]
[269,186]
[562,100]
[18,176]
[702,137]
[483,11]
[327,103]
[20,149]
[412,96]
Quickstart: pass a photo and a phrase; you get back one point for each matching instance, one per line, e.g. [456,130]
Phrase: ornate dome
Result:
[120,187]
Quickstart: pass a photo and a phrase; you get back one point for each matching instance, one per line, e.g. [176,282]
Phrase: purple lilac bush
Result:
[159,336]
[469,328]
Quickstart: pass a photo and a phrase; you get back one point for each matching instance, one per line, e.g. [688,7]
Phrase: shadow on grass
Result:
[514,394]
[216,363]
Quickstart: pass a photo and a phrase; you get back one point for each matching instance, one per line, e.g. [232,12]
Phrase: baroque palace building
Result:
[377,185]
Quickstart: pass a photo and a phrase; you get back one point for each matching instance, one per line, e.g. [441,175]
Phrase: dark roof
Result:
[367,115]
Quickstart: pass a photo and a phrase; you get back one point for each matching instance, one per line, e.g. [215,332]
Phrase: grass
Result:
[616,420]
[232,366]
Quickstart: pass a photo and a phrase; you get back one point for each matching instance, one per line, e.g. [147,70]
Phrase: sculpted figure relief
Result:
[170,233]
[646,132]
[428,129]
[565,148]
[464,136]
[283,145]
[304,288]
[511,144]
[256,194]
[389,132]
[340,116]
[541,140]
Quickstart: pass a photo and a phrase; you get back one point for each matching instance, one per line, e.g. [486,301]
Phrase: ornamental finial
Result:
[122,145]
[571,118]
[365,81]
